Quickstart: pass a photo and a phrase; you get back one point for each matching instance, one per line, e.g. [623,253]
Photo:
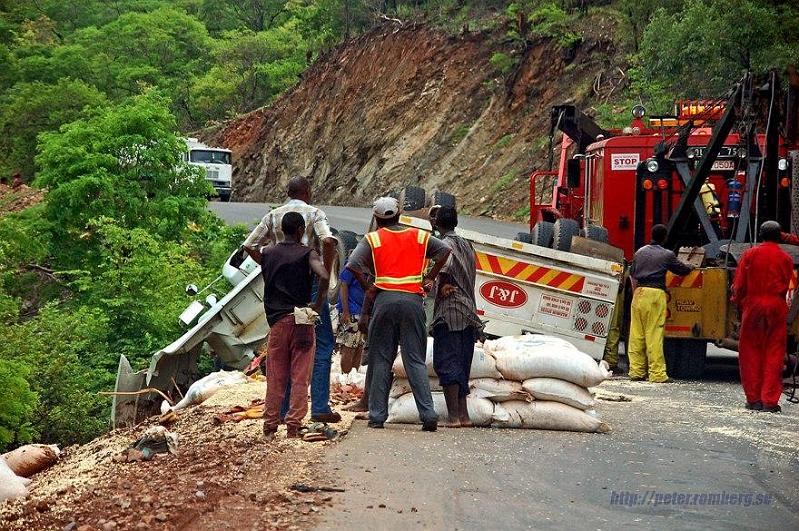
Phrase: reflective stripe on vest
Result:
[399,258]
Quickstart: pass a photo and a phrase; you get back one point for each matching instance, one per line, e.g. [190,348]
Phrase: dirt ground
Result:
[413,105]
[222,477]
[15,200]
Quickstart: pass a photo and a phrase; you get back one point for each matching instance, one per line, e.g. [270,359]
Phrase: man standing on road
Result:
[397,258]
[648,310]
[455,322]
[288,269]
[319,237]
[761,282]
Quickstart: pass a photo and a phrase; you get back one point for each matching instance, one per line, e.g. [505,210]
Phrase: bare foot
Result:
[466,423]
[451,424]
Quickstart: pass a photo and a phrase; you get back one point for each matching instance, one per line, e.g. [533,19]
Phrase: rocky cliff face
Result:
[411,105]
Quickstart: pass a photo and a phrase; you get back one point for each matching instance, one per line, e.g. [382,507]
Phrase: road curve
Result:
[355,219]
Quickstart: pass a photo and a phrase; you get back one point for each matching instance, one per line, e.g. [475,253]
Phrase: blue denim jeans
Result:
[320,377]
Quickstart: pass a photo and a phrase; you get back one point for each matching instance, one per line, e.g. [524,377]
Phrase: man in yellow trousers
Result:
[648,311]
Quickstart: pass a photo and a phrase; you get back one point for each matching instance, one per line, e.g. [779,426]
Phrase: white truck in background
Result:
[217,163]
[521,288]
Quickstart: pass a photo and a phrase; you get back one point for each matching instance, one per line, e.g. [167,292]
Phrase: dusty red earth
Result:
[222,477]
[412,105]
[17,199]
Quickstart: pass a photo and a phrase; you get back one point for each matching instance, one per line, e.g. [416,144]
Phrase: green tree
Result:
[253,69]
[17,405]
[124,163]
[704,48]
[28,109]
[165,48]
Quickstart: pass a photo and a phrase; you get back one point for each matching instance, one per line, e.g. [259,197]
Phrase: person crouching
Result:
[288,270]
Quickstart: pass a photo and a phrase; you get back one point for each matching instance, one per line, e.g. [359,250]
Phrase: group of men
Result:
[391,270]
[762,280]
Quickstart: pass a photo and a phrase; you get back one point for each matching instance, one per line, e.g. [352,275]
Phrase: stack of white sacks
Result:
[530,381]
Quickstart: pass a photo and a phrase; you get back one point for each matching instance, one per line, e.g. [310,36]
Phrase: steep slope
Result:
[411,105]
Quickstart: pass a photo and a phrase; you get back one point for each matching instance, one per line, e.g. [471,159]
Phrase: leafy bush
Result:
[17,405]
[502,62]
[550,20]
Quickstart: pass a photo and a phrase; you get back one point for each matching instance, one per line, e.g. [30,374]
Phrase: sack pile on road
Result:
[530,381]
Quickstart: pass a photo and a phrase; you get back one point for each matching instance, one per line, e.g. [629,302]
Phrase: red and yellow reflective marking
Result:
[694,279]
[544,276]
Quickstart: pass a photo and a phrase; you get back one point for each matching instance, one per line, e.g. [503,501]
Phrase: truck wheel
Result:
[542,234]
[348,241]
[595,233]
[564,230]
[443,199]
[685,358]
[524,237]
[412,198]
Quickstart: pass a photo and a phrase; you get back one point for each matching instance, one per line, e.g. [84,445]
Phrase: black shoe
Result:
[754,406]
[772,409]
[431,425]
[327,417]
[376,425]
[636,379]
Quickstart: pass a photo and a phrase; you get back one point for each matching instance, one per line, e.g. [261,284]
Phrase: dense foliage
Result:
[94,92]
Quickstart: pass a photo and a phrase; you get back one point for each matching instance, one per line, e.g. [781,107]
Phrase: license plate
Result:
[723,165]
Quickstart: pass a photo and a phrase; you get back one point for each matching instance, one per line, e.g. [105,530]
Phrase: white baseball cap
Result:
[385,207]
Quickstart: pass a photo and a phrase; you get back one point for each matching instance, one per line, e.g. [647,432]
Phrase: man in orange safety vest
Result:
[397,257]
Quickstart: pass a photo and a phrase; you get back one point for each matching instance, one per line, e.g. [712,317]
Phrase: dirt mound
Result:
[221,474]
[17,199]
[413,105]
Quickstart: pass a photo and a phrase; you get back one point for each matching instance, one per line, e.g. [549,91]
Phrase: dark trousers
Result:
[398,320]
[453,351]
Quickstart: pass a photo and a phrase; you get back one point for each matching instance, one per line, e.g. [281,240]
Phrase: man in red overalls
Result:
[761,283]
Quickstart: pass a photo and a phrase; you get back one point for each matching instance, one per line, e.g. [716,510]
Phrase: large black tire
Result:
[444,199]
[595,233]
[412,198]
[685,358]
[542,234]
[564,230]
[348,240]
[524,237]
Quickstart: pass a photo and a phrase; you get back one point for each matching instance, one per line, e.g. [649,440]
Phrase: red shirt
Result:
[763,271]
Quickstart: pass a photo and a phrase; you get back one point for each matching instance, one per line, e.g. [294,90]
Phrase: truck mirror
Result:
[573,173]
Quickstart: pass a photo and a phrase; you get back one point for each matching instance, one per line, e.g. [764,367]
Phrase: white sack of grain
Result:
[498,390]
[402,386]
[205,387]
[559,391]
[544,415]
[403,410]
[483,364]
[527,340]
[11,485]
[545,357]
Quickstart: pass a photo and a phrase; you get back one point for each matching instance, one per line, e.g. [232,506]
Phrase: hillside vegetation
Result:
[361,95]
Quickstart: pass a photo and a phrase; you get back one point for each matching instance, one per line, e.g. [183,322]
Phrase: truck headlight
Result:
[652,165]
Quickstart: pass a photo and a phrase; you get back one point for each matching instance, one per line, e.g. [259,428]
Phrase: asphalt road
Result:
[685,438]
[355,219]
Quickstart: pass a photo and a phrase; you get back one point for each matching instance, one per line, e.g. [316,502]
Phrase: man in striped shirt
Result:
[455,322]
[319,237]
